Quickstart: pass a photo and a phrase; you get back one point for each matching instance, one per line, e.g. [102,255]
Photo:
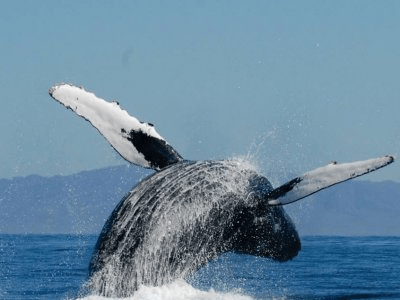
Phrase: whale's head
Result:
[272,235]
[265,230]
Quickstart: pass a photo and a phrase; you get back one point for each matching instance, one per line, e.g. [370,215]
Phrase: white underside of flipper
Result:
[321,178]
[114,123]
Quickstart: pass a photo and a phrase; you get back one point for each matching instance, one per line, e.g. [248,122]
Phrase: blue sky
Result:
[295,84]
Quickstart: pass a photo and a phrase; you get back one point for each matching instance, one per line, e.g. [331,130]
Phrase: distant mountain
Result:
[78,203]
[81,203]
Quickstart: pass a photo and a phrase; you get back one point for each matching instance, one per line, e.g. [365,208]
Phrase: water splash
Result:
[161,238]
[177,290]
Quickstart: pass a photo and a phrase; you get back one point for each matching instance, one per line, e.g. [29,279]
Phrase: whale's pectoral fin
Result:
[321,178]
[137,142]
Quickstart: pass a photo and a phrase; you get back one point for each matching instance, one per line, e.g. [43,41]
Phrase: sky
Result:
[291,85]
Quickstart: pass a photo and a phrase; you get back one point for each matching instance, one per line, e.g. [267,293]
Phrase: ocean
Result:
[55,267]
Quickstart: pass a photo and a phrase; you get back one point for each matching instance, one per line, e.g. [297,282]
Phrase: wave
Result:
[177,290]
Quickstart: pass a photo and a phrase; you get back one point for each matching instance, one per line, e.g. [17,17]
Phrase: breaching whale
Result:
[188,212]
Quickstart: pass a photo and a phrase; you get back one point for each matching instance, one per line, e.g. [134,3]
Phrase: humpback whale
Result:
[188,212]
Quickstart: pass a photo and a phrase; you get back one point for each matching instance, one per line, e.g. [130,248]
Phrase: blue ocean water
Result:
[55,267]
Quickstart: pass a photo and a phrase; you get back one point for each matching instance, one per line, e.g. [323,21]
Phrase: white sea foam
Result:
[177,290]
